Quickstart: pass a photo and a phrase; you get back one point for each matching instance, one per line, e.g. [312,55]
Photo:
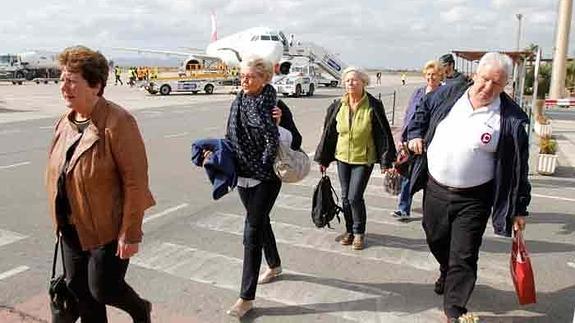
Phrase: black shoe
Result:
[439,285]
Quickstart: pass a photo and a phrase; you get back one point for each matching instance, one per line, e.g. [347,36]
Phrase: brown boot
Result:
[345,239]
[358,242]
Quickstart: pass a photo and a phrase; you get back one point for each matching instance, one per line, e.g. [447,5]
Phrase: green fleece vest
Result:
[355,140]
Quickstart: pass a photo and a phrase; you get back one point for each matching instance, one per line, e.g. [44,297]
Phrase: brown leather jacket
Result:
[107,176]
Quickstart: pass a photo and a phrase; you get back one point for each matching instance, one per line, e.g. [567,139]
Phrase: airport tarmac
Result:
[190,261]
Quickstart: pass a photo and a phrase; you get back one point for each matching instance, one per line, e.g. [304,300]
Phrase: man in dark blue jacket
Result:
[472,150]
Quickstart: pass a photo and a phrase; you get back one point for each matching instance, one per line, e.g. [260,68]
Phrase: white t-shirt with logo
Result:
[462,152]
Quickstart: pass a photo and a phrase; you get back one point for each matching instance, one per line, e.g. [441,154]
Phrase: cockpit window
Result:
[275,38]
[265,37]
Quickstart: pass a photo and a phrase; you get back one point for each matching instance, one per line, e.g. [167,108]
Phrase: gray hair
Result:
[261,66]
[360,72]
[498,60]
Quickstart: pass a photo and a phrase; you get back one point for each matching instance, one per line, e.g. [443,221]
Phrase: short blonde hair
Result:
[364,77]
[261,66]
[435,65]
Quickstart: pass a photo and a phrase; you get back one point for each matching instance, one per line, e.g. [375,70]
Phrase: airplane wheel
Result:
[165,89]
[333,83]
[311,90]
[209,89]
[297,90]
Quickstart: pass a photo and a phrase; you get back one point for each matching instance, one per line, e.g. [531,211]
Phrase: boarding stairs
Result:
[324,59]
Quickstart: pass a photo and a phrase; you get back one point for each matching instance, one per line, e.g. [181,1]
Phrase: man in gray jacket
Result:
[451,74]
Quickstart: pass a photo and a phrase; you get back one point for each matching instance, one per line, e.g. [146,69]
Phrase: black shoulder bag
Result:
[324,206]
[63,302]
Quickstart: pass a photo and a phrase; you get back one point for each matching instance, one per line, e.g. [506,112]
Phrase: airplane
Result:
[264,42]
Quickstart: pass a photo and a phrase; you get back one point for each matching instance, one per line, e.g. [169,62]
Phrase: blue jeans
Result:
[353,180]
[405,196]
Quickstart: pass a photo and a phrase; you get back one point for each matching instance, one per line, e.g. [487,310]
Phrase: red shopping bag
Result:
[521,271]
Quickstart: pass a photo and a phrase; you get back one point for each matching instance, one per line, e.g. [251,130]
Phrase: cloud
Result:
[371,33]
[455,14]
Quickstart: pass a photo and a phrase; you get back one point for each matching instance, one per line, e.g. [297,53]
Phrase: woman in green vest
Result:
[357,135]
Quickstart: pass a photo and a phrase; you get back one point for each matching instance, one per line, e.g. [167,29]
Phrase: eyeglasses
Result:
[249,76]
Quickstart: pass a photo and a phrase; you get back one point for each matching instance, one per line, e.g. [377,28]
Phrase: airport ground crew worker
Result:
[472,162]
[133,76]
[118,74]
[154,73]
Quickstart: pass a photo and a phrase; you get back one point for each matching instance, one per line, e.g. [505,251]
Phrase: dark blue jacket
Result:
[220,166]
[512,191]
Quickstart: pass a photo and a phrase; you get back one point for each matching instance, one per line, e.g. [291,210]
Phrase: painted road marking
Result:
[304,203]
[15,165]
[10,131]
[13,272]
[8,237]
[322,240]
[375,190]
[397,250]
[153,217]
[181,134]
[554,197]
[294,289]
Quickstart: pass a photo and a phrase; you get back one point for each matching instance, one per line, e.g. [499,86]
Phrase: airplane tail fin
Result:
[214,27]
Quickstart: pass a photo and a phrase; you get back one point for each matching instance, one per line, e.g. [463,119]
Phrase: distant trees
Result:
[545,76]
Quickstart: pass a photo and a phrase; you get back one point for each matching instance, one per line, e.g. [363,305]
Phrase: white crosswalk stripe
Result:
[323,240]
[374,187]
[303,203]
[8,237]
[396,251]
[294,289]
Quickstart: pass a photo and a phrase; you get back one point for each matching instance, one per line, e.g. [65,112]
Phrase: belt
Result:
[460,189]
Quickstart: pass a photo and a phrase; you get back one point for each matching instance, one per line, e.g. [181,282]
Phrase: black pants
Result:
[258,233]
[454,223]
[353,180]
[96,277]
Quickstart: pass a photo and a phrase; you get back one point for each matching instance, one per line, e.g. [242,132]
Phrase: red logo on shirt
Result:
[486,138]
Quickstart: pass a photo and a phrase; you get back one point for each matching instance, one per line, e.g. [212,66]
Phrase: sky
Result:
[391,34]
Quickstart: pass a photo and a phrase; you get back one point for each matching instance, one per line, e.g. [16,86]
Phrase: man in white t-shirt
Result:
[472,163]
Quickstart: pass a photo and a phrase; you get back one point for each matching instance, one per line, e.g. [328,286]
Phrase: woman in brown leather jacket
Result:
[97,182]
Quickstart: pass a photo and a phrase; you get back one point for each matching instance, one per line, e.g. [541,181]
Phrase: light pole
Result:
[557,88]
[519,17]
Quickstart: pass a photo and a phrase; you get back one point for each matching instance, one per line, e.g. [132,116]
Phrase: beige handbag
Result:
[291,166]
